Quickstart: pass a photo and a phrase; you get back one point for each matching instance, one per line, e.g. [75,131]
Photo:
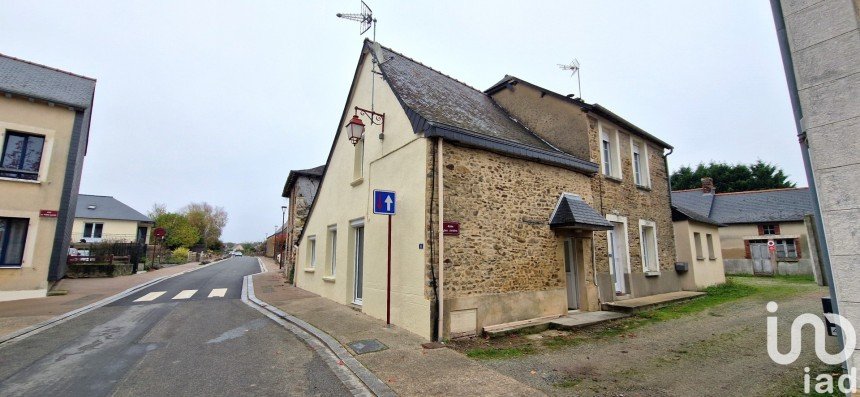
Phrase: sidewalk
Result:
[20,314]
[405,366]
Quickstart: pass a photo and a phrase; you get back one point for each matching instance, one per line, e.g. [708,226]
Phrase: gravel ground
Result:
[720,351]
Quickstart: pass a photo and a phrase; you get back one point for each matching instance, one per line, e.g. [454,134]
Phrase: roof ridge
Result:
[47,67]
[426,66]
[686,190]
[94,195]
[762,191]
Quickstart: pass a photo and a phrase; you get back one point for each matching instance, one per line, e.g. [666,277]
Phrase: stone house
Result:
[753,220]
[299,189]
[104,218]
[509,207]
[44,130]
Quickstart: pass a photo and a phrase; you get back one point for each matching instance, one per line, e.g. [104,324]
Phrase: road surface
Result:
[190,335]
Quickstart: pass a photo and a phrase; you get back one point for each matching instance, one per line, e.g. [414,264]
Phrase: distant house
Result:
[104,218]
[44,130]
[299,189]
[697,249]
[754,221]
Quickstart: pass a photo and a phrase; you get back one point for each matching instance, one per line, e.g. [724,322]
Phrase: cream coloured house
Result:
[104,218]
[496,221]
[44,128]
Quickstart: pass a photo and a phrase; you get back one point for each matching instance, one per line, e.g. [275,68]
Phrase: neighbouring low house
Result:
[698,249]
[513,203]
[767,232]
[104,218]
[44,130]
[299,190]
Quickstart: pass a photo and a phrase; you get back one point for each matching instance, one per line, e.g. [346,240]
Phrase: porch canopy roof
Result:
[572,212]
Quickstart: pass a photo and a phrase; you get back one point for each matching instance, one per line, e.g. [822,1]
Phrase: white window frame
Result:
[624,244]
[610,135]
[709,238]
[697,243]
[312,252]
[92,237]
[644,170]
[332,250]
[642,244]
[358,162]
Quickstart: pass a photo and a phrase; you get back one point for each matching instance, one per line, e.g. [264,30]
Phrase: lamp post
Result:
[284,243]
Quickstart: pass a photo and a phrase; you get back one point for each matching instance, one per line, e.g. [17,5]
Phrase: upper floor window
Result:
[22,155]
[358,161]
[639,152]
[609,154]
[13,233]
[768,229]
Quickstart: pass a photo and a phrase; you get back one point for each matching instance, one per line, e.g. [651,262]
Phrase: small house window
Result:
[786,249]
[609,154]
[332,251]
[639,152]
[768,229]
[22,155]
[710,240]
[312,252]
[697,238]
[13,234]
[648,241]
[93,230]
[358,161]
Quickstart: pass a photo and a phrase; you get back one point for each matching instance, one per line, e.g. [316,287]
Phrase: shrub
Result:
[179,255]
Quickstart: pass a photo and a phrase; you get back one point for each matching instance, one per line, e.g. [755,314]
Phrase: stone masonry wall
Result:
[503,205]
[624,198]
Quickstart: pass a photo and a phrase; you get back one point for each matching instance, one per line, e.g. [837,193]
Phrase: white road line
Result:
[185,294]
[150,296]
[217,292]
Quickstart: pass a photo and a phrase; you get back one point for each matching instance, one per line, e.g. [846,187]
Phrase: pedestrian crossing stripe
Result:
[182,295]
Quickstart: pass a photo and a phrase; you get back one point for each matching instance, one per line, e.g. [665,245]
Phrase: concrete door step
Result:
[636,305]
[528,326]
[584,319]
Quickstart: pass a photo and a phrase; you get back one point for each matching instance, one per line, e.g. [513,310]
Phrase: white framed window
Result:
[358,161]
[21,156]
[786,249]
[312,252]
[648,243]
[710,239]
[13,236]
[93,231]
[332,250]
[639,156]
[610,155]
[697,239]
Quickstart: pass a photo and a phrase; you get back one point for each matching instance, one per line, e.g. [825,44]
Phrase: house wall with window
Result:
[28,239]
[698,245]
[343,208]
[96,230]
[790,238]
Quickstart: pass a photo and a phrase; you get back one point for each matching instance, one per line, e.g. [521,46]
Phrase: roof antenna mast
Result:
[367,21]
[574,70]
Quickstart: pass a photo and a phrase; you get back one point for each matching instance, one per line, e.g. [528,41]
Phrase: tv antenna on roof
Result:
[574,70]
[365,17]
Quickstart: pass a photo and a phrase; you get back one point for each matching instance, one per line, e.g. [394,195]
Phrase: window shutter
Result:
[747,253]
[760,233]
[797,247]
[776,229]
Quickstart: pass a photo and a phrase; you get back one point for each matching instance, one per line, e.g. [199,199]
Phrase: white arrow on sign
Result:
[388,202]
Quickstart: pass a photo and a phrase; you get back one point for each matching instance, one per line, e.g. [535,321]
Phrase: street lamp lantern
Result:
[355,129]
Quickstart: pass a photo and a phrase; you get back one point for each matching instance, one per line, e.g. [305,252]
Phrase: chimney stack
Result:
[708,185]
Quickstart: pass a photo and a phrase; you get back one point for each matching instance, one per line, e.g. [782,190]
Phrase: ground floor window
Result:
[93,230]
[13,233]
[648,241]
[786,249]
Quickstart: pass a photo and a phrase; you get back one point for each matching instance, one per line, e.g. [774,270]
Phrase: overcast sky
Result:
[217,101]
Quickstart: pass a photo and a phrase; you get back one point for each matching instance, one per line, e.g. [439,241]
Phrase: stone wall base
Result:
[504,308]
[640,285]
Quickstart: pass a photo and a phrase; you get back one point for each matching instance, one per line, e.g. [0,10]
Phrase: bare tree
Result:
[209,220]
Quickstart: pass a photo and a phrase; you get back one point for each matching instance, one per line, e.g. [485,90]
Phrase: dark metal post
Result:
[284,246]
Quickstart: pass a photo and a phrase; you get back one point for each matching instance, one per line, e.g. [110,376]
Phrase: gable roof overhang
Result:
[597,109]
[680,213]
[294,175]
[572,212]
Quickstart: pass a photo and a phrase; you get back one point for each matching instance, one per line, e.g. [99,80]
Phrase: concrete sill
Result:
[21,180]
[357,182]
[712,259]
[644,188]
[787,260]
[652,273]
[329,279]
[700,258]
[309,270]
[612,178]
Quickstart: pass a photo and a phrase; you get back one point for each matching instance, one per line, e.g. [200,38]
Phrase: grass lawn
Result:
[515,345]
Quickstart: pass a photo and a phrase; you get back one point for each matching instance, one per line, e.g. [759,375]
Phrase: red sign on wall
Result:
[48,213]
[451,228]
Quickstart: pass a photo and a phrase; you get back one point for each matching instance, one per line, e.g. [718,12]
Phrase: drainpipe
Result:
[788,65]
[440,296]
[668,175]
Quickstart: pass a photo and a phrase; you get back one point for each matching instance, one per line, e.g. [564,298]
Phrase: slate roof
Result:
[778,205]
[571,211]
[680,213]
[36,81]
[438,105]
[106,207]
[315,172]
